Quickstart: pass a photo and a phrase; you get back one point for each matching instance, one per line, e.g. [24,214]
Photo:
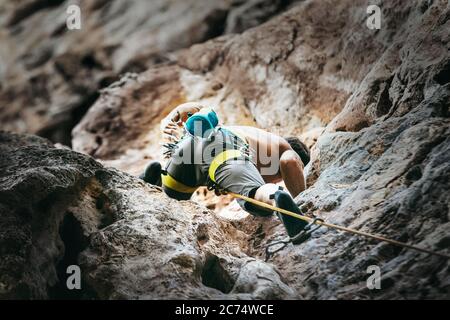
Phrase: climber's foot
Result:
[152,173]
[294,227]
[301,237]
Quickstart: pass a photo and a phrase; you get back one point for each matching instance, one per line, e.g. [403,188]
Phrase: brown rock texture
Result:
[291,75]
[60,208]
[51,75]
[373,105]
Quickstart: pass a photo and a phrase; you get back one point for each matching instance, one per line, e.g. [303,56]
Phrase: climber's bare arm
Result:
[291,168]
[271,150]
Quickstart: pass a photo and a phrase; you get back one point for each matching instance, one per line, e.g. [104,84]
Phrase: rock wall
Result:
[131,241]
[376,102]
[292,75]
[372,104]
[50,75]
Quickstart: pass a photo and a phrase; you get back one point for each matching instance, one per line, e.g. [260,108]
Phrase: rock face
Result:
[50,75]
[387,179]
[60,208]
[383,100]
[291,75]
[374,105]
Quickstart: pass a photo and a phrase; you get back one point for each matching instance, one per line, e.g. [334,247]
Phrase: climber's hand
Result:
[172,131]
[180,115]
[171,127]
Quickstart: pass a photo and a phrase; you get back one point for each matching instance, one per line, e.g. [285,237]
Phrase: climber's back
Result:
[190,160]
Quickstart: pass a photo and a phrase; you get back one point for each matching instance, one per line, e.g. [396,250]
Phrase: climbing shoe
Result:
[152,173]
[295,227]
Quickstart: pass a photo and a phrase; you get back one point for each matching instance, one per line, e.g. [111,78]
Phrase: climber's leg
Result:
[291,167]
[265,192]
[293,225]
[152,173]
[271,194]
[243,178]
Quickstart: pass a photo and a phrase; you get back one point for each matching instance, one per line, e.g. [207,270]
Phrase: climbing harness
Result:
[321,222]
[220,159]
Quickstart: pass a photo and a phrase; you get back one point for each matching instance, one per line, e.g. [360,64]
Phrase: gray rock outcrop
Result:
[373,105]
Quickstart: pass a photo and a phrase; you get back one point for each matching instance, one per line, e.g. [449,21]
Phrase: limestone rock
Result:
[61,208]
[375,106]
[51,75]
[372,104]
[290,75]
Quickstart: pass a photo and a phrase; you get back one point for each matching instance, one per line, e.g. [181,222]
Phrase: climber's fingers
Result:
[176,117]
[169,137]
[173,134]
[170,125]
[170,131]
[173,124]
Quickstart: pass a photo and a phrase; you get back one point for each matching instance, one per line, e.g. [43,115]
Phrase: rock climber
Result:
[241,159]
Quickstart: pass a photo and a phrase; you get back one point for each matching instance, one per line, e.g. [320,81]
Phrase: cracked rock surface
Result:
[50,75]
[373,105]
[59,207]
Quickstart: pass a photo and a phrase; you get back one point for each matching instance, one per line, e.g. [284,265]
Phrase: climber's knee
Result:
[290,160]
[291,168]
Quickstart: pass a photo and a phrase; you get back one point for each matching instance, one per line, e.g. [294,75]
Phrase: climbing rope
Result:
[320,222]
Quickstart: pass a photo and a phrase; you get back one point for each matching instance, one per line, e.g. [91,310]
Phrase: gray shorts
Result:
[242,177]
